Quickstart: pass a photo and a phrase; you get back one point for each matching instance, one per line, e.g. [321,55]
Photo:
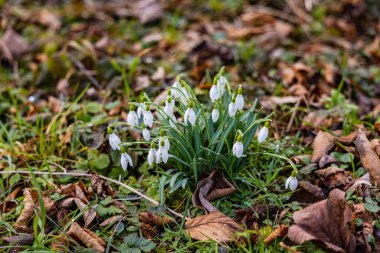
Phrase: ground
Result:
[309,71]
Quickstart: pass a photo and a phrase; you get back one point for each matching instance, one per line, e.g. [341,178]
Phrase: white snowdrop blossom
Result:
[132,118]
[214,93]
[291,183]
[152,154]
[164,139]
[240,99]
[148,117]
[114,140]
[146,134]
[125,160]
[221,83]
[232,109]
[169,106]
[184,95]
[215,115]
[141,107]
[263,133]
[162,153]
[237,149]
[176,85]
[189,115]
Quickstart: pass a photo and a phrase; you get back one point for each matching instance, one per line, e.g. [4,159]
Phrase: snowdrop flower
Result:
[291,182]
[152,154]
[184,95]
[176,85]
[263,133]
[237,149]
[125,160]
[145,133]
[190,114]
[169,106]
[240,99]
[232,107]
[221,83]
[162,153]
[141,108]
[215,115]
[164,139]
[113,139]
[132,118]
[214,93]
[148,117]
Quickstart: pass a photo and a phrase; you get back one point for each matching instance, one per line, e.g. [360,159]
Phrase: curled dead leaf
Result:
[86,236]
[376,146]
[322,144]
[368,157]
[154,219]
[213,187]
[213,226]
[280,231]
[325,222]
[333,177]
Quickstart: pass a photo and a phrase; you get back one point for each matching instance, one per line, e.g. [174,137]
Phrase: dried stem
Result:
[154,202]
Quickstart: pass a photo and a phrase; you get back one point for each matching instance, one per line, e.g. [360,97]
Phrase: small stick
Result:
[154,202]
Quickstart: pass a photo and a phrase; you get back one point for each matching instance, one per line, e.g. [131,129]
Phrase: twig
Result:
[154,202]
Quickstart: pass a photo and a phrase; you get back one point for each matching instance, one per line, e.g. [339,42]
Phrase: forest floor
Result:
[69,72]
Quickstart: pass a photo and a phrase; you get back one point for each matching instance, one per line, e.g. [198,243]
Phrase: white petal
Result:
[232,109]
[169,108]
[146,134]
[151,156]
[215,115]
[192,117]
[185,117]
[239,102]
[287,182]
[293,183]
[132,118]
[237,149]
[214,93]
[175,92]
[124,161]
[263,134]
[166,144]
[148,118]
[222,81]
[114,141]
[158,155]
[165,155]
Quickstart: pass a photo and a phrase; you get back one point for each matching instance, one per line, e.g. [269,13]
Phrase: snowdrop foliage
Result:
[192,136]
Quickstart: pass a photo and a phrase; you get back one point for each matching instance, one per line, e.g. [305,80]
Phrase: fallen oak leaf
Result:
[86,236]
[325,222]
[368,157]
[333,177]
[322,144]
[213,187]
[213,226]
[154,219]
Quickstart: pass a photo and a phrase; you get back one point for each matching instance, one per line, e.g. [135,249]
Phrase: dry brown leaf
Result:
[361,182]
[19,240]
[368,157]
[55,105]
[280,231]
[12,45]
[322,144]
[89,238]
[213,187]
[252,216]
[272,101]
[312,189]
[110,221]
[154,219]
[213,226]
[333,177]
[325,222]
[147,10]
[27,212]
[348,139]
[376,146]
[102,189]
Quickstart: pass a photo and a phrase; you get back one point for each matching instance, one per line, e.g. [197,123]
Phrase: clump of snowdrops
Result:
[192,137]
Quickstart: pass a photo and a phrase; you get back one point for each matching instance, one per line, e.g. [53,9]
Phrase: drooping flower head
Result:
[232,109]
[240,99]
[145,132]
[132,118]
[141,107]
[237,149]
[113,139]
[214,93]
[162,153]
[221,82]
[165,139]
[148,117]
[189,114]
[125,159]
[263,133]
[152,154]
[292,182]
[215,114]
